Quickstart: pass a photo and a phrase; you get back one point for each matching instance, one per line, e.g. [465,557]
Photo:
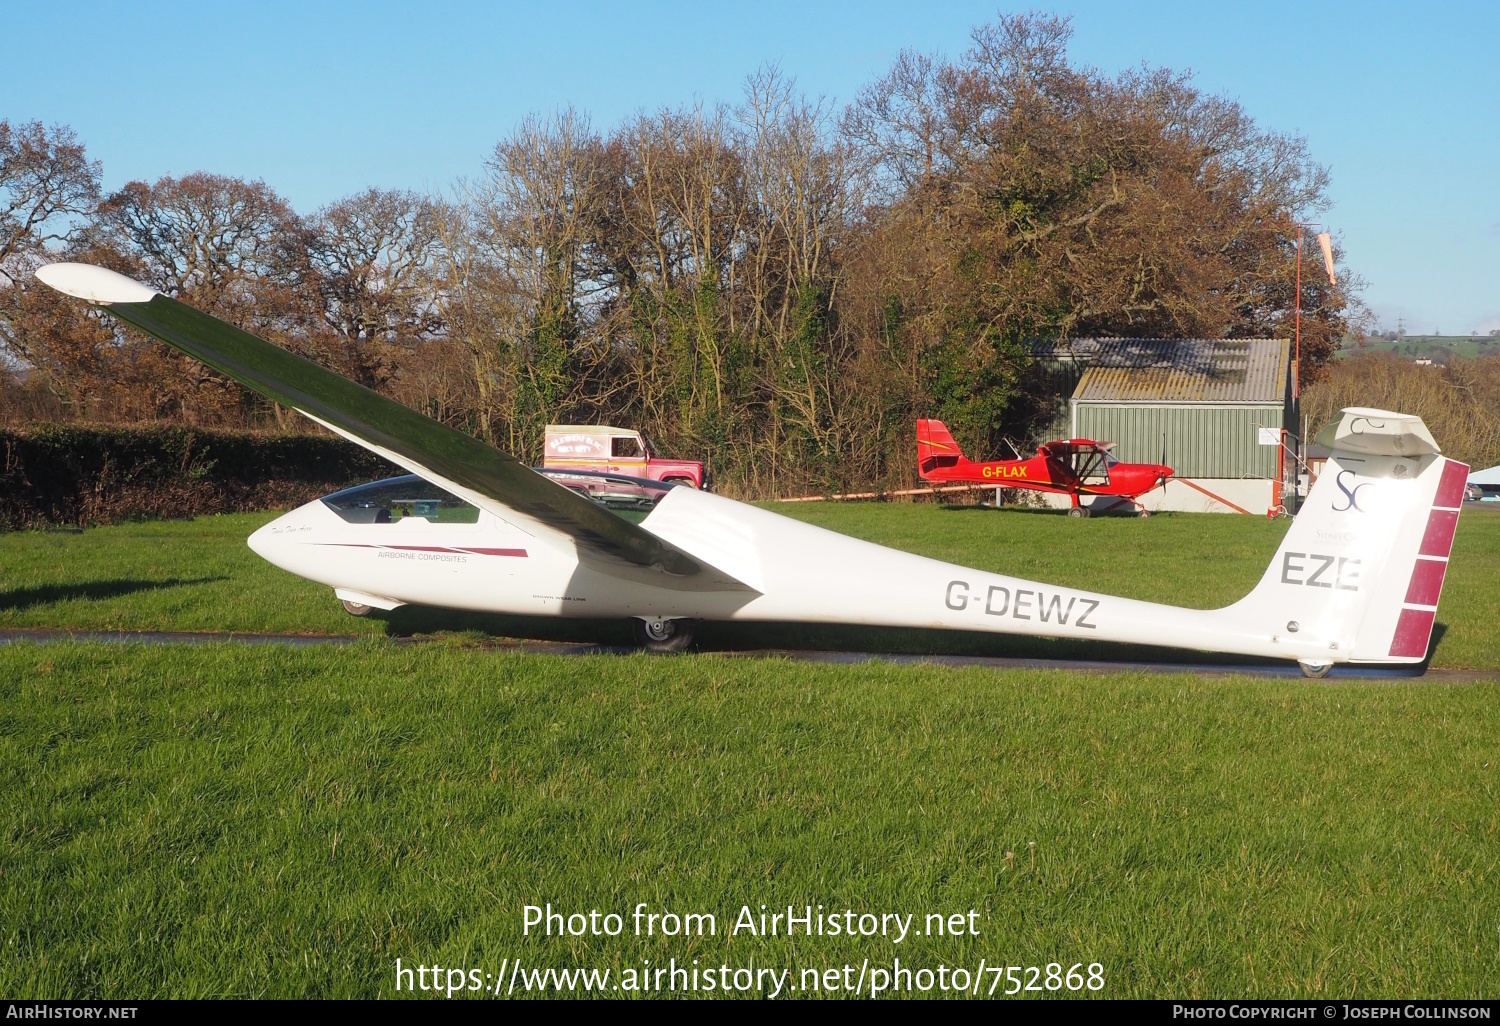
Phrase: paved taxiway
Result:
[1290,670]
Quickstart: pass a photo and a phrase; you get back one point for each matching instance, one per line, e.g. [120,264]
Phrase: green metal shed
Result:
[1205,399]
[1219,405]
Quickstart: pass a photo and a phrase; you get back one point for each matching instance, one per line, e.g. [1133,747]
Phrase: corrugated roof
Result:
[1144,370]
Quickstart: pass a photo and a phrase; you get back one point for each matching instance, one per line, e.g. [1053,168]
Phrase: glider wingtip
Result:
[93,283]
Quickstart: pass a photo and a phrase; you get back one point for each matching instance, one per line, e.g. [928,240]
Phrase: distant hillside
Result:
[1437,348]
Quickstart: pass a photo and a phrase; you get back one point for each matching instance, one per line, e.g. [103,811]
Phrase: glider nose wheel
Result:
[656,635]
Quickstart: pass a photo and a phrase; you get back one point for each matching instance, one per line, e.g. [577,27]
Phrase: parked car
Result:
[611,450]
[1473,493]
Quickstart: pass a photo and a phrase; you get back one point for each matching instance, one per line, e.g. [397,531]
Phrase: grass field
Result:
[226,820]
[289,822]
[199,575]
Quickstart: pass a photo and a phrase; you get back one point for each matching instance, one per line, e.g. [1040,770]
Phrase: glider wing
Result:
[481,474]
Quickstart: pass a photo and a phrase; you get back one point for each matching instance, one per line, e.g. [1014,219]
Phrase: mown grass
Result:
[279,822]
[200,576]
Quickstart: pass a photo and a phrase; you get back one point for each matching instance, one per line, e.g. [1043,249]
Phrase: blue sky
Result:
[1401,101]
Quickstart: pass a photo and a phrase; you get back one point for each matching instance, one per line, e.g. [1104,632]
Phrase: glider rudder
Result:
[1361,568]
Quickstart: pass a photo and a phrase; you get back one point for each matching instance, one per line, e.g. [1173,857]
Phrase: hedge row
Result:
[55,475]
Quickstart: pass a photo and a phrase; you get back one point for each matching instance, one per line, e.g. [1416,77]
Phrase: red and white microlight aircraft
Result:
[1356,579]
[1074,467]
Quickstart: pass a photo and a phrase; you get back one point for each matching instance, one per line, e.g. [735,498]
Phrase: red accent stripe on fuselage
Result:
[520,553]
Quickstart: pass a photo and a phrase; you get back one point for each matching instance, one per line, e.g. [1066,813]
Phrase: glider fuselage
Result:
[1316,601]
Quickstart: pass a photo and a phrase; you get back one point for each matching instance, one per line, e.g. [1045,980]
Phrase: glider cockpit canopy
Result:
[398,498]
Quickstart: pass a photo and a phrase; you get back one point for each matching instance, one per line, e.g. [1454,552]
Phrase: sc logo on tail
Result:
[1351,495]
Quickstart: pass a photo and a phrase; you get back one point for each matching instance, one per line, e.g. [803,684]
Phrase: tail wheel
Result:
[355,608]
[663,636]
[1079,511]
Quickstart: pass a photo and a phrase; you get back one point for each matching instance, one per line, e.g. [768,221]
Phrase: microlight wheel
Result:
[663,636]
[1079,511]
[1315,669]
[355,608]
[1145,512]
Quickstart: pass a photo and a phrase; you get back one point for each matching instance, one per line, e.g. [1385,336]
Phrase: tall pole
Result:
[1297,329]
[1296,383]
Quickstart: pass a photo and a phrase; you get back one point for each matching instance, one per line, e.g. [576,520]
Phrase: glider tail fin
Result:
[1358,575]
[937,452]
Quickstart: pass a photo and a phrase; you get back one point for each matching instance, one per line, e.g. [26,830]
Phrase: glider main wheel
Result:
[1081,512]
[355,608]
[663,636]
[1316,669]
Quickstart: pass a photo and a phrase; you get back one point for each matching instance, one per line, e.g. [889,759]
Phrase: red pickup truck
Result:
[612,450]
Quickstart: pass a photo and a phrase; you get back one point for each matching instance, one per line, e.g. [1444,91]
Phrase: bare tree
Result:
[520,270]
[202,234]
[47,183]
[370,264]
[372,255]
[232,247]
[667,254]
[897,124]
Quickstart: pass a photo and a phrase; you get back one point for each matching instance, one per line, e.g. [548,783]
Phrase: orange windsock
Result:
[1325,242]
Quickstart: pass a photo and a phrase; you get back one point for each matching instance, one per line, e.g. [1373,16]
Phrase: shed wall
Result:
[1201,441]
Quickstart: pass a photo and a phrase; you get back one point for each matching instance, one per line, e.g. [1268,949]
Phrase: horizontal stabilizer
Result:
[1369,432]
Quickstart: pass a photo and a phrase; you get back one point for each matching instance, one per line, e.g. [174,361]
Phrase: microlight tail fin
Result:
[937,452]
[1360,571]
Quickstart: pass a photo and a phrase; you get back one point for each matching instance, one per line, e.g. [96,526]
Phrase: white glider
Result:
[1356,579]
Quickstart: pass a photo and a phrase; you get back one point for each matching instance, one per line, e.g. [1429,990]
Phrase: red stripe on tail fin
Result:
[1450,493]
[1426,582]
[1414,625]
[1413,630]
[1438,541]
